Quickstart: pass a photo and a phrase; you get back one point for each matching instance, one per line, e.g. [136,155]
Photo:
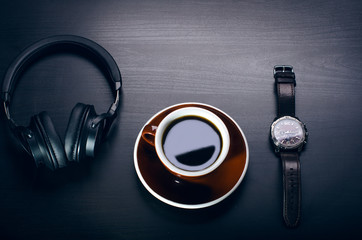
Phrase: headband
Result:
[30,54]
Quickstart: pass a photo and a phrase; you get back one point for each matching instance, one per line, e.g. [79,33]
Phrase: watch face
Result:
[288,132]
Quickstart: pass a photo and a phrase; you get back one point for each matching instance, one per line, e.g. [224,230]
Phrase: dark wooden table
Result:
[220,53]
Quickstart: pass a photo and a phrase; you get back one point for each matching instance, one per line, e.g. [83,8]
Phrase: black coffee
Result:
[191,143]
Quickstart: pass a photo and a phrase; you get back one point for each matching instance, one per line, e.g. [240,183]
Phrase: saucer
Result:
[201,191]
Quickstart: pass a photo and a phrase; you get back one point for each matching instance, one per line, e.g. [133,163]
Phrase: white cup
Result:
[155,136]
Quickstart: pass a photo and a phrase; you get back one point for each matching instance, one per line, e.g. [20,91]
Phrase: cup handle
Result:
[148,134]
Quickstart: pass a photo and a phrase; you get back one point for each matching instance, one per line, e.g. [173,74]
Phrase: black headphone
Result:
[85,130]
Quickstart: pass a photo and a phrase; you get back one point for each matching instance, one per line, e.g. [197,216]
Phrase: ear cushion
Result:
[76,131]
[49,147]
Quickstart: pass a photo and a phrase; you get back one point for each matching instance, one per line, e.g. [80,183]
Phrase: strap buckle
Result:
[284,74]
[282,69]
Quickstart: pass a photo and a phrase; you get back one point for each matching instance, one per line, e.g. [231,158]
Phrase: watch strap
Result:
[291,188]
[285,87]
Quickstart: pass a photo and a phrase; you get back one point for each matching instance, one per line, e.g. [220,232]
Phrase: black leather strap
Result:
[285,83]
[291,187]
[285,87]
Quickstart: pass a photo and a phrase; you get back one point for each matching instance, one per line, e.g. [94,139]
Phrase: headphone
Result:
[85,131]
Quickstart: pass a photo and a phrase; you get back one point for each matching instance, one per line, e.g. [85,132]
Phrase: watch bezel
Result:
[278,146]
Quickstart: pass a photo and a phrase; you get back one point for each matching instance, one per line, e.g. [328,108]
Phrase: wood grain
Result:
[216,52]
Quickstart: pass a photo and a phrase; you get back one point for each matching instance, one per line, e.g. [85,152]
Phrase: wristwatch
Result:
[288,136]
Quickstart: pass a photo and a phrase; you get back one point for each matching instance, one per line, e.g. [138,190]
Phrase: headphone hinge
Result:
[5,96]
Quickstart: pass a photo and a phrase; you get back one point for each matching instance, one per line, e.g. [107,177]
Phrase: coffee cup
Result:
[190,142]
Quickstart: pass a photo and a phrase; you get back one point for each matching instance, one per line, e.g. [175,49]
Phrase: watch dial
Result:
[288,132]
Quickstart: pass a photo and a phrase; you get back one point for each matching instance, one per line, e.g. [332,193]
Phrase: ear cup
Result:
[81,138]
[44,142]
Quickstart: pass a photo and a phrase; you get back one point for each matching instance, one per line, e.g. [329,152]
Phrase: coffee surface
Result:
[192,143]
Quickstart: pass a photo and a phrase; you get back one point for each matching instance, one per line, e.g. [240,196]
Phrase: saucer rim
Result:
[182,205]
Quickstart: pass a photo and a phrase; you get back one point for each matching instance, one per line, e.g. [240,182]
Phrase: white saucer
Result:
[204,191]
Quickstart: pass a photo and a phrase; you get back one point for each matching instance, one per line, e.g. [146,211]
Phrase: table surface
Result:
[220,53]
